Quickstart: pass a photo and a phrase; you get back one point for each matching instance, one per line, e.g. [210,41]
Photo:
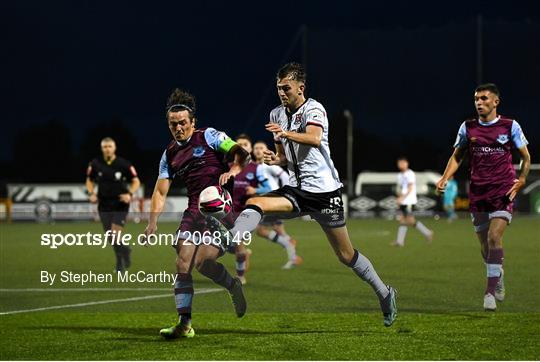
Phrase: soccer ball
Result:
[215,201]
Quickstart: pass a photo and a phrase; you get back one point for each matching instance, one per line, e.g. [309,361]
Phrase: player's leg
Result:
[240,251]
[361,266]
[252,215]
[279,227]
[327,209]
[183,290]
[481,224]
[207,264]
[118,222]
[268,233]
[484,248]
[402,229]
[450,210]
[293,258]
[495,258]
[278,201]
[411,221]
[118,248]
[106,216]
[277,234]
[242,254]
[445,208]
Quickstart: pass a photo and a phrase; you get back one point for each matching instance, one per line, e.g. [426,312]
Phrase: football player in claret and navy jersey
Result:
[252,181]
[300,129]
[272,227]
[249,182]
[198,157]
[488,141]
[117,180]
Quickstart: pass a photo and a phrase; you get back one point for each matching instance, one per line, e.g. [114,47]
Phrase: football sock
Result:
[247,220]
[285,241]
[183,295]
[240,264]
[126,256]
[365,270]
[218,274]
[118,254]
[423,229]
[494,266]
[402,231]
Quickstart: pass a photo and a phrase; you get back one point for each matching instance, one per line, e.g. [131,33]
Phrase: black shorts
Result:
[325,207]
[112,212]
[271,220]
[406,210]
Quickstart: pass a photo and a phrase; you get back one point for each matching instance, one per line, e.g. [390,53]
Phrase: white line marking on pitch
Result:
[82,289]
[201,291]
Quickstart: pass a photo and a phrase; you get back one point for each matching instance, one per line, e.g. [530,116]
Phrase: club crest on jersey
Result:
[250,176]
[198,151]
[117,175]
[298,119]
[502,139]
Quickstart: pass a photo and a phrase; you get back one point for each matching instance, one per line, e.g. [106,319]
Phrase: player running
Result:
[407,199]
[300,128]
[488,140]
[197,156]
[117,181]
[271,227]
[249,182]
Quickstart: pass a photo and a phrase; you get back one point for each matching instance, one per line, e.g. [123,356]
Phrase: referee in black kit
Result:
[117,180]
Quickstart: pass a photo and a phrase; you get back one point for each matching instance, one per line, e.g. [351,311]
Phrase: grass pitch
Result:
[318,311]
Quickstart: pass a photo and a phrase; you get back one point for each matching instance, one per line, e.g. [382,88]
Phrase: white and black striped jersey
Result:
[310,168]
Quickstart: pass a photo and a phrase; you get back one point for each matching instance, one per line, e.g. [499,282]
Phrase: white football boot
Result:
[489,303]
[500,290]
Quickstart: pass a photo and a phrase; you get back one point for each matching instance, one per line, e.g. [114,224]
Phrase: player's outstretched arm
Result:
[452,166]
[524,172]
[156,205]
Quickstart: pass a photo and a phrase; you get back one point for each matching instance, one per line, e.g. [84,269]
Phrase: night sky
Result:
[404,71]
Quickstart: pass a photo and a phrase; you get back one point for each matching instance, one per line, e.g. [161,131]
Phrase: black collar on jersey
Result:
[109,162]
[300,106]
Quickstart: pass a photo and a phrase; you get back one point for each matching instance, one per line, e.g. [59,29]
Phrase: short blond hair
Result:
[107,140]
